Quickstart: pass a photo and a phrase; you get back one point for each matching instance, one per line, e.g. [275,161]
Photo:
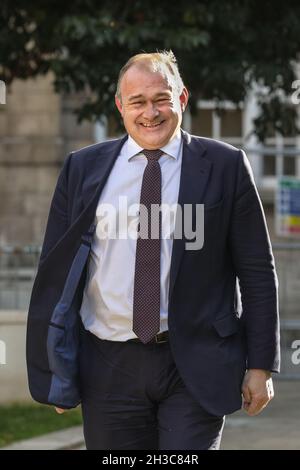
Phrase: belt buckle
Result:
[157,340]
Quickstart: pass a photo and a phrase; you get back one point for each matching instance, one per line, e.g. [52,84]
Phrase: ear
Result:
[119,105]
[184,98]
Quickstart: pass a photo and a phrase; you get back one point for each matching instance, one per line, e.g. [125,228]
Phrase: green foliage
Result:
[24,421]
[223,48]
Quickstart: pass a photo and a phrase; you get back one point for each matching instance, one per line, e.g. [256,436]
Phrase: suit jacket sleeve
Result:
[58,222]
[254,263]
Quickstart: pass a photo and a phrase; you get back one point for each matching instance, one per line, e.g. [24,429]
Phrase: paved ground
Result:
[278,427]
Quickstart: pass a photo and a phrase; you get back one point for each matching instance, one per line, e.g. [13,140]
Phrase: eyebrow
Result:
[135,97]
[162,94]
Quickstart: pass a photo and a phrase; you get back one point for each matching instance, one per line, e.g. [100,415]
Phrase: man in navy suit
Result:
[146,332]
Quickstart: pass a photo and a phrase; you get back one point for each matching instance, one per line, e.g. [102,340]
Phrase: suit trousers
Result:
[134,398]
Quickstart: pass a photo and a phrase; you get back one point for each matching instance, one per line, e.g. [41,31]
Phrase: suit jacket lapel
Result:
[195,170]
[98,170]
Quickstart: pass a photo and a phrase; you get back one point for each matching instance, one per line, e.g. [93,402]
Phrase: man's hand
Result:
[60,411]
[257,390]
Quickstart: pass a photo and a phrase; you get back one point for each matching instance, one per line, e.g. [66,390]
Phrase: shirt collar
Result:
[172,148]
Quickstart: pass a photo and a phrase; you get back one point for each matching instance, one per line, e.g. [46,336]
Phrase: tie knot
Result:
[153,155]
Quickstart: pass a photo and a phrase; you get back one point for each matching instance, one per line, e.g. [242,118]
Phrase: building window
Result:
[290,161]
[202,123]
[269,165]
[226,123]
[231,123]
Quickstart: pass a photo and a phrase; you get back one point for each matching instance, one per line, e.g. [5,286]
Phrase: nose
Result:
[150,111]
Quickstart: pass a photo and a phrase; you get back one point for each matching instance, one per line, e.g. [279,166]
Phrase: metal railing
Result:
[18,267]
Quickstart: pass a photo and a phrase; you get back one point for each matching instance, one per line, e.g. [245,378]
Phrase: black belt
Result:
[162,337]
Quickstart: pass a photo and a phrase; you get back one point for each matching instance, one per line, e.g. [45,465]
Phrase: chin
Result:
[157,141]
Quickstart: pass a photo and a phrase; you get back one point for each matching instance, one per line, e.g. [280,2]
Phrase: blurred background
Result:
[59,64]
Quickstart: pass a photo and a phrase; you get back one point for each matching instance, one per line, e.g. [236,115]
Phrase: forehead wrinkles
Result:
[141,80]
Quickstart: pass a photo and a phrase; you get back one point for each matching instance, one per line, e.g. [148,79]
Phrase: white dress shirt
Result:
[107,303]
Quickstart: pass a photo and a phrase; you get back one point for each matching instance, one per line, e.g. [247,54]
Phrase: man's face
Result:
[151,111]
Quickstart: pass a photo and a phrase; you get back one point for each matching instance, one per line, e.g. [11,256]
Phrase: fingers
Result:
[256,406]
[247,397]
[257,390]
[59,410]
[246,394]
[255,403]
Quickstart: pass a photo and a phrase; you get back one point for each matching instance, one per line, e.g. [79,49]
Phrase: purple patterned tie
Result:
[146,293]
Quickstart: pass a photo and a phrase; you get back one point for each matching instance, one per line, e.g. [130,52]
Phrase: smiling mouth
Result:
[151,126]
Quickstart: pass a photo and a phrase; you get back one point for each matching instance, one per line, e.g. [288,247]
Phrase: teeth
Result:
[151,125]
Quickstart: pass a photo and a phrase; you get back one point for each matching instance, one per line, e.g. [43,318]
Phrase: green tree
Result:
[223,48]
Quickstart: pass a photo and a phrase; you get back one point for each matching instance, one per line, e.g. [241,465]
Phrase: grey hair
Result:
[163,62]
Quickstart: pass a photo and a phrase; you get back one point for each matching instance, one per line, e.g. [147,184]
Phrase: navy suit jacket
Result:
[212,343]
